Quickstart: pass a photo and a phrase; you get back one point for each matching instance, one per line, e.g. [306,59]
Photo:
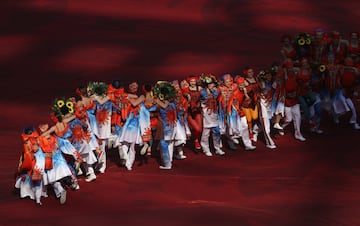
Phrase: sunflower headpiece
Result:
[62,107]
[164,90]
[322,68]
[304,39]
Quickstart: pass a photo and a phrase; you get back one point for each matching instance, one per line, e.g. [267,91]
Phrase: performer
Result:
[307,98]
[165,94]
[265,100]
[288,49]
[240,124]
[338,46]
[60,136]
[116,94]
[226,91]
[334,101]
[354,45]
[304,46]
[348,77]
[292,106]
[209,106]
[194,117]
[182,127]
[102,127]
[278,100]
[136,125]
[319,45]
[49,145]
[250,106]
[31,169]
[85,113]
[150,105]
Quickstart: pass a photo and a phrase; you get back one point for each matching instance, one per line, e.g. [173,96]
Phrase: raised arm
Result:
[69,118]
[48,132]
[136,101]
[162,104]
[101,100]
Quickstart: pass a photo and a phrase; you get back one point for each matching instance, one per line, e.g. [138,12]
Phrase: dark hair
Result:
[28,130]
[147,87]
[117,84]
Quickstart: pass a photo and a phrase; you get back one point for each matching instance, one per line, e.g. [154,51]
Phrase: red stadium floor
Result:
[48,48]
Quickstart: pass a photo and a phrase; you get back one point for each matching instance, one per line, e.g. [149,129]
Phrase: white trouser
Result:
[265,115]
[88,168]
[58,188]
[350,104]
[129,154]
[102,161]
[38,191]
[293,114]
[205,138]
[167,151]
[244,131]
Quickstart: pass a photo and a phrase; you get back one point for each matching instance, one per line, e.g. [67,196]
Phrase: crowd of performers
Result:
[317,72]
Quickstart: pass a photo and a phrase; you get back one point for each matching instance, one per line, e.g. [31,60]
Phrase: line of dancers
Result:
[317,72]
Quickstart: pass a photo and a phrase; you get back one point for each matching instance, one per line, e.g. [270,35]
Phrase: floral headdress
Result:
[227,77]
[192,77]
[164,90]
[97,88]
[239,79]
[207,78]
[62,107]
[304,39]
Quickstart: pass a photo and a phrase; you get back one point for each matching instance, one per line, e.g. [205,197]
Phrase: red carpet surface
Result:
[49,48]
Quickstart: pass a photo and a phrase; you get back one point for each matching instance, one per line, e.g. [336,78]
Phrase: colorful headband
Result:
[192,77]
[29,133]
[246,70]
[319,30]
[240,80]
[175,83]
[227,77]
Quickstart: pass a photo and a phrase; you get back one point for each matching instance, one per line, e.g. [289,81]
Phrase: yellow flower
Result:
[161,96]
[301,41]
[308,41]
[69,104]
[71,110]
[60,103]
[322,68]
